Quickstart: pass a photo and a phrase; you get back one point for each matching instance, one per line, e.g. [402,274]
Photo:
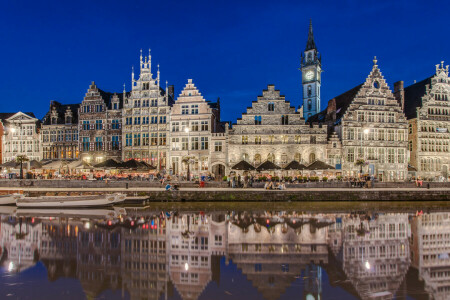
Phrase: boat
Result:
[89,213]
[9,199]
[70,201]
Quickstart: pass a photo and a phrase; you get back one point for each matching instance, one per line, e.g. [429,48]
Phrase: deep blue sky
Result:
[52,50]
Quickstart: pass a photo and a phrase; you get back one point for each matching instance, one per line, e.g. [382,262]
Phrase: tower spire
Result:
[310,44]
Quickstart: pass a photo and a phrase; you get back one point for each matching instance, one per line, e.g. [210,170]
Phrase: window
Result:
[137,103]
[194,126]
[98,143]
[360,116]
[137,139]
[218,146]
[145,120]
[271,157]
[284,120]
[391,117]
[154,120]
[271,106]
[309,104]
[175,144]
[184,109]
[115,124]
[351,155]
[312,139]
[204,143]
[154,103]
[371,116]
[115,142]
[257,140]
[145,103]
[257,120]
[194,109]
[205,126]
[128,121]
[410,129]
[137,121]
[98,124]
[244,140]
[154,139]
[410,146]
[401,156]
[298,157]
[184,143]
[145,139]
[162,120]
[162,139]
[391,156]
[128,139]
[86,144]
[309,91]
[194,143]
[86,108]
[86,125]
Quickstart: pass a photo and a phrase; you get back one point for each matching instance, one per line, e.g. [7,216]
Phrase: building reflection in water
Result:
[151,255]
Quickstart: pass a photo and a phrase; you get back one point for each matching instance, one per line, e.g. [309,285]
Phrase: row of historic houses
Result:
[368,129]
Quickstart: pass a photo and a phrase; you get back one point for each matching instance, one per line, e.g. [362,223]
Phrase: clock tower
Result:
[311,76]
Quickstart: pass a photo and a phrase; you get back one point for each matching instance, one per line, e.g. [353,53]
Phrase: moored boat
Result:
[70,201]
[9,199]
[74,212]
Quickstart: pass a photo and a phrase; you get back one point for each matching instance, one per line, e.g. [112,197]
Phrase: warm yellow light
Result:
[186,129]
[366,131]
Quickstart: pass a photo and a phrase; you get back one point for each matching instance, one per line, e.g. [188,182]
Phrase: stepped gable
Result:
[94,93]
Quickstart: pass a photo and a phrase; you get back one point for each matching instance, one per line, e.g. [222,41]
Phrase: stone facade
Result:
[273,130]
[146,115]
[427,108]
[59,132]
[193,122]
[21,137]
[100,126]
[372,127]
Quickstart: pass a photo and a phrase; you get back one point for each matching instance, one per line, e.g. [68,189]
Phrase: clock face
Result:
[309,75]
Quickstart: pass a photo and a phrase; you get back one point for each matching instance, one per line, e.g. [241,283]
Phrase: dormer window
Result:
[54,120]
[115,105]
[68,119]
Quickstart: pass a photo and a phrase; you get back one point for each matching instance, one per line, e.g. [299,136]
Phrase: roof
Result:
[61,111]
[267,165]
[413,97]
[243,165]
[343,101]
[310,44]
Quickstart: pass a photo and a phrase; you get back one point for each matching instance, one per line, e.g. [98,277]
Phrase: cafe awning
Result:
[243,165]
[295,165]
[267,166]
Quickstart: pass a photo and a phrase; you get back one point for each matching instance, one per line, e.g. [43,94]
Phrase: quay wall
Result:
[231,195]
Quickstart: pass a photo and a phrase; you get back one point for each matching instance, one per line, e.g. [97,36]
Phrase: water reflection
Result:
[153,255]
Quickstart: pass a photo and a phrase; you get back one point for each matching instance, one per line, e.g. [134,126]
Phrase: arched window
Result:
[245,156]
[271,157]
[257,159]
[309,56]
[284,158]
[312,158]
[298,157]
[309,91]
[309,104]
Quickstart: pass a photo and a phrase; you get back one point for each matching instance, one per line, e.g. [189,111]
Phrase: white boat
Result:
[9,199]
[70,201]
[89,213]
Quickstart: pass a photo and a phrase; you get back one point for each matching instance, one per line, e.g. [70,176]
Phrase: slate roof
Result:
[413,97]
[310,44]
[61,110]
[343,101]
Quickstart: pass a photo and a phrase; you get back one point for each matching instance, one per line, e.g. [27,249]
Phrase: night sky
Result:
[52,50]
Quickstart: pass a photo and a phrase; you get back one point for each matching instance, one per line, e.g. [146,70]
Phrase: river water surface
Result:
[228,251]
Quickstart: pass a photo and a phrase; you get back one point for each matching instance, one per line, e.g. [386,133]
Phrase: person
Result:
[169,187]
[282,186]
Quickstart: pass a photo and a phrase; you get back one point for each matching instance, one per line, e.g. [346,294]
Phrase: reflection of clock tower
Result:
[311,70]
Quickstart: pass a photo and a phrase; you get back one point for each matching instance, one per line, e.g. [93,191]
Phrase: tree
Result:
[21,159]
[360,162]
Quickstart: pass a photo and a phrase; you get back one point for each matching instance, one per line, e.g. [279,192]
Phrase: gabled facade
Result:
[59,132]
[145,118]
[427,108]
[372,127]
[100,126]
[273,130]
[193,122]
[21,137]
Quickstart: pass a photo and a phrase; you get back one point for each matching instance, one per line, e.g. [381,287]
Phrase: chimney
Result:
[171,91]
[399,93]
[331,109]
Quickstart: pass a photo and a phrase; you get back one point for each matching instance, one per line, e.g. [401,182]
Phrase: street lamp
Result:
[186,129]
